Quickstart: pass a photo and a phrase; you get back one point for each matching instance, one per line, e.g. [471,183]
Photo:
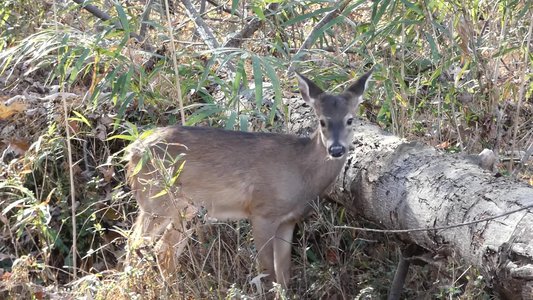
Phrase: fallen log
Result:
[398,184]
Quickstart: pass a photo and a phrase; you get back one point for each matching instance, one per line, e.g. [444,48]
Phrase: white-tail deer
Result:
[268,178]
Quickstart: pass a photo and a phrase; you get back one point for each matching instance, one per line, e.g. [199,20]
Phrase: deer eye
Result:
[322,123]
[349,121]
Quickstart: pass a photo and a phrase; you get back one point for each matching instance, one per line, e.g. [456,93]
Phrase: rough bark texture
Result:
[403,185]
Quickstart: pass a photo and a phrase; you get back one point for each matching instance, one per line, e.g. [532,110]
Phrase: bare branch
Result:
[145,17]
[224,8]
[254,25]
[203,30]
[313,34]
[95,11]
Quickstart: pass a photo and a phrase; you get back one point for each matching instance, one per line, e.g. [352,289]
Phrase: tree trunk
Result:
[405,185]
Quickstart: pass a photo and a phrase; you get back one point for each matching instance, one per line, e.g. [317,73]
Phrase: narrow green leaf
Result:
[243,122]
[271,74]
[258,12]
[379,11]
[330,24]
[180,169]
[413,7]
[435,55]
[230,122]
[162,193]
[78,65]
[258,80]
[234,5]
[122,17]
[307,16]
[122,137]
[141,163]
[81,118]
[202,114]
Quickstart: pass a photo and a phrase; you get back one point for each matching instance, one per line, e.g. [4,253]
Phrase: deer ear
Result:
[309,90]
[356,90]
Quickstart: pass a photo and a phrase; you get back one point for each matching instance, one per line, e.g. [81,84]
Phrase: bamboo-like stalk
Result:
[175,64]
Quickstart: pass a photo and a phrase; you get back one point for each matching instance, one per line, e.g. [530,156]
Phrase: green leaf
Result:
[258,80]
[162,193]
[258,12]
[175,177]
[321,31]
[122,137]
[234,5]
[307,16]
[141,163]
[435,55]
[80,118]
[203,113]
[230,122]
[123,18]
[271,74]
[79,63]
[413,7]
[243,122]
[377,13]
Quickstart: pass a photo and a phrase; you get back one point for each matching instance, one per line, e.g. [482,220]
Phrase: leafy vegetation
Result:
[455,74]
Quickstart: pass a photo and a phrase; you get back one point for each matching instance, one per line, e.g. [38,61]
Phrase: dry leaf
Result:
[8,111]
[74,127]
[75,169]
[108,173]
[6,276]
[39,295]
[19,147]
[443,145]
[331,257]
[101,132]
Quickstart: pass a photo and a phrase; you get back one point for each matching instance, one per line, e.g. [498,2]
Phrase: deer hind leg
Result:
[169,247]
[282,253]
[263,232]
[146,232]
[167,234]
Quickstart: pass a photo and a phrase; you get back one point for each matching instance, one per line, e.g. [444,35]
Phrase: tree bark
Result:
[405,185]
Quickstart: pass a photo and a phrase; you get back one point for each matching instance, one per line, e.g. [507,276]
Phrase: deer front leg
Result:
[282,253]
[264,231]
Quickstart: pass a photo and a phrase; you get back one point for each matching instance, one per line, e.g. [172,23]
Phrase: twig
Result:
[145,17]
[203,30]
[72,192]
[254,25]
[175,63]
[71,177]
[526,156]
[313,34]
[95,11]
[326,49]
[525,74]
[202,7]
[396,288]
[438,227]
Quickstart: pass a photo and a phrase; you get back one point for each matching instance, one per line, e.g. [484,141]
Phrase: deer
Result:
[176,173]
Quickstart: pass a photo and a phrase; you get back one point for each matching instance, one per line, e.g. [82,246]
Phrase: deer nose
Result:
[336,150]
